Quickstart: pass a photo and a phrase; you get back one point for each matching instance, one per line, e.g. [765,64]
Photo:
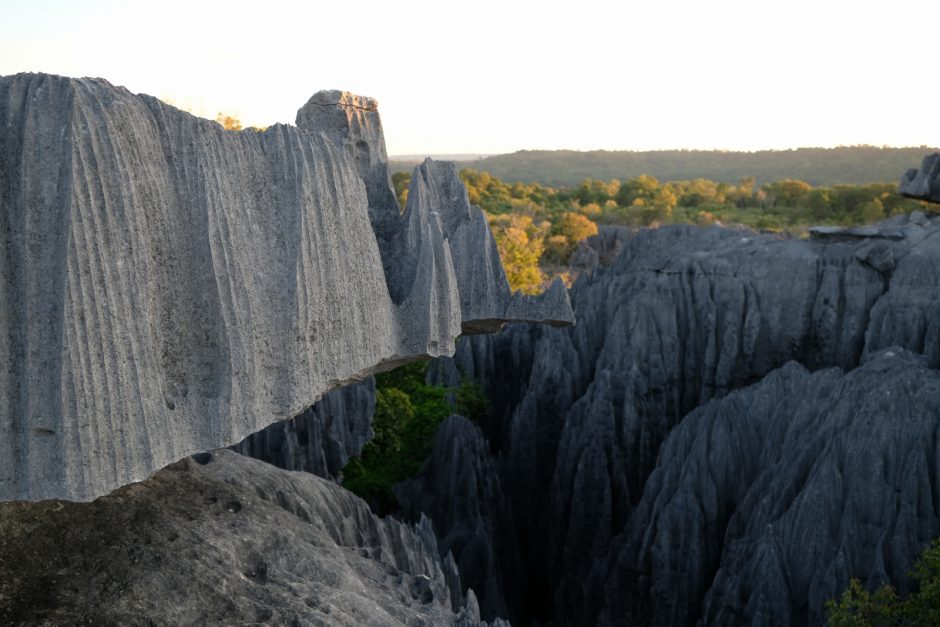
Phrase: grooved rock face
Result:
[682,317]
[323,438]
[764,503]
[169,287]
[459,487]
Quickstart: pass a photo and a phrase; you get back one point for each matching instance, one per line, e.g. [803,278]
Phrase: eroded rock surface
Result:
[323,438]
[923,184]
[763,504]
[682,317]
[229,541]
[169,287]
[459,487]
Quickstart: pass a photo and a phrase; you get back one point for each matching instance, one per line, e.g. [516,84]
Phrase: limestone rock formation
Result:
[323,438]
[764,503]
[169,287]
[229,541]
[459,487]
[923,184]
[682,317]
[486,302]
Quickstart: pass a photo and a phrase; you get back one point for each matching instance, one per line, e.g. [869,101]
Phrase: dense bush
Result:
[408,412]
[537,227]
[860,608]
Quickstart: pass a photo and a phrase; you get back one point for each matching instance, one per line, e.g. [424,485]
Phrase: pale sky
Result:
[494,77]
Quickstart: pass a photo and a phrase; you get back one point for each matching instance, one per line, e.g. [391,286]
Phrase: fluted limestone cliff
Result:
[738,424]
[169,287]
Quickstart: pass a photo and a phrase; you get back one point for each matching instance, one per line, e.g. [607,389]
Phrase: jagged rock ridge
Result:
[459,488]
[683,316]
[169,287]
[764,503]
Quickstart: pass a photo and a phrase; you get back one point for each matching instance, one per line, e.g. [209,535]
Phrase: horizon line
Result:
[468,156]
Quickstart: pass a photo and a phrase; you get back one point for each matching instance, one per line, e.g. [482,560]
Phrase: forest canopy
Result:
[537,227]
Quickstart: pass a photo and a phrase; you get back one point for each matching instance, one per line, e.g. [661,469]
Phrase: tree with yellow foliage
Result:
[520,244]
[567,231]
[228,122]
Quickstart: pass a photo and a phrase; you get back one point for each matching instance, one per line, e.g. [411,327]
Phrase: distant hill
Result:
[406,163]
[455,157]
[816,166]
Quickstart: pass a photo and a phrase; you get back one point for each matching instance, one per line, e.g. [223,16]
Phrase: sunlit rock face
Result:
[168,287]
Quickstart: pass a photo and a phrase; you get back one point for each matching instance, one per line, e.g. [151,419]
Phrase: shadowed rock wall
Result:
[682,317]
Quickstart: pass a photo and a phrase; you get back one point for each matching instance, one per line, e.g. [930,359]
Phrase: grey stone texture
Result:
[923,184]
[764,503]
[230,541]
[170,287]
[459,488]
[486,302]
[683,317]
[323,438]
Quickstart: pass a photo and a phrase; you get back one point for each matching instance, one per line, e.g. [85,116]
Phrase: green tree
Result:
[401,181]
[575,227]
[787,193]
[642,188]
[858,607]
[872,211]
[699,192]
[567,231]
[557,249]
[393,410]
[408,412]
[471,401]
[742,195]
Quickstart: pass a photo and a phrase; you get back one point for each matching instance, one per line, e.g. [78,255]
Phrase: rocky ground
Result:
[222,540]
